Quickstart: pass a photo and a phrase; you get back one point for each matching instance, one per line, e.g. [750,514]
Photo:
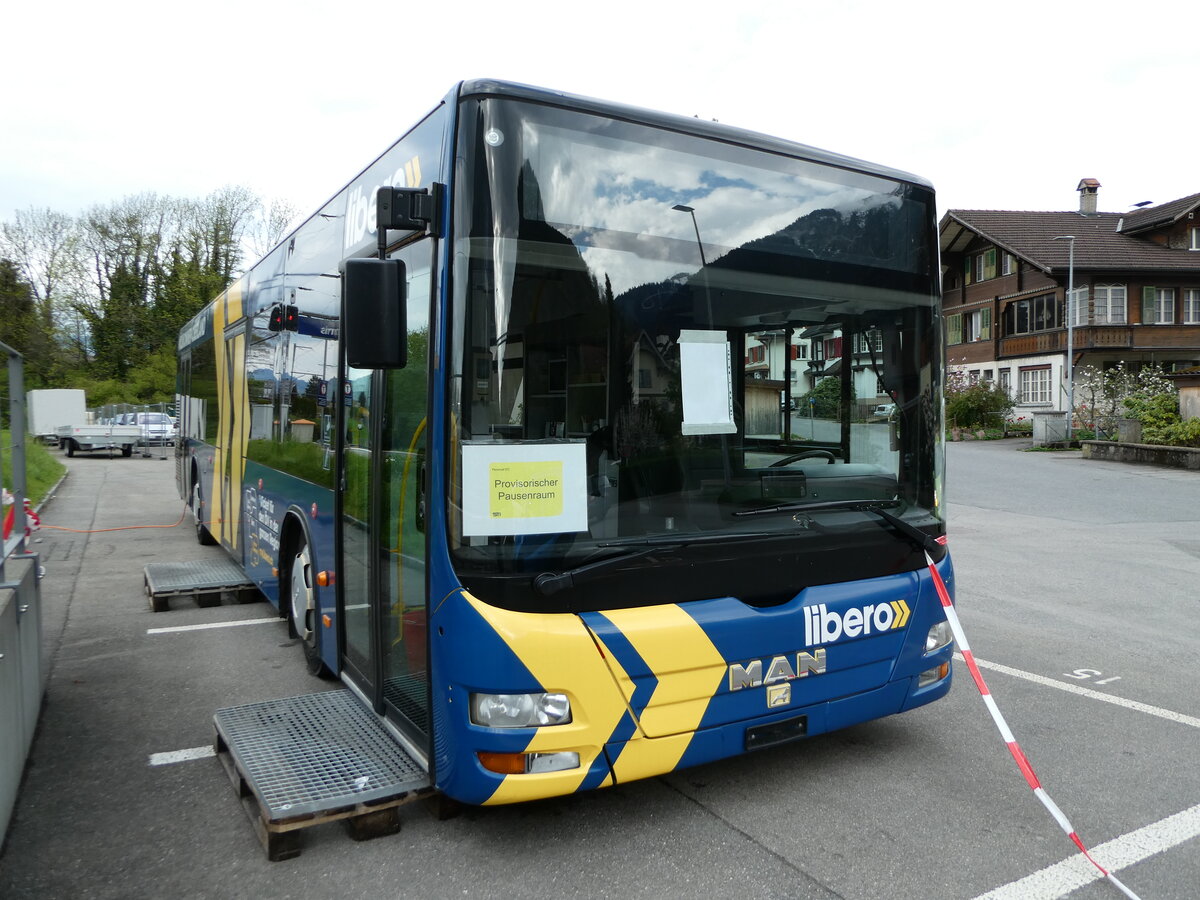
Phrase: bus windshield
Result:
[701,362]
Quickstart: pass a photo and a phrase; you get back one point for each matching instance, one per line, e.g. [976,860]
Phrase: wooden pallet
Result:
[282,837]
[204,582]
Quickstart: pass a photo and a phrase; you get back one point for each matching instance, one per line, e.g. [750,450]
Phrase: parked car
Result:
[157,428]
[883,410]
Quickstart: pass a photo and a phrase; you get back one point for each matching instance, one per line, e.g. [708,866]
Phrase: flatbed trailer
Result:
[89,438]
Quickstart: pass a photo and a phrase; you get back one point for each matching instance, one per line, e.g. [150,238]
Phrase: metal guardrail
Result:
[22,680]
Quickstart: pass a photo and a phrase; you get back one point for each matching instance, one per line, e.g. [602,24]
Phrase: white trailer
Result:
[87,438]
[48,410]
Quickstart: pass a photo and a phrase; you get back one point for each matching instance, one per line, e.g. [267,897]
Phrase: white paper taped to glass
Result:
[707,376]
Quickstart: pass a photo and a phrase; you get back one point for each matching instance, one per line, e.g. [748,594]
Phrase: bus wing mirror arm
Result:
[374,313]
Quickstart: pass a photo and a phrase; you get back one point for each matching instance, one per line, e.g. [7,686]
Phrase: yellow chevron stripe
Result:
[902,613]
[689,671]
[559,651]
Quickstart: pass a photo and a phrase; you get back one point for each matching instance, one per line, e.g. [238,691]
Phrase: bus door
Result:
[382,573]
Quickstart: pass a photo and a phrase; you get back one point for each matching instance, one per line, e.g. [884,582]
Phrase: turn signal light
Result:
[503,763]
[326,579]
[528,763]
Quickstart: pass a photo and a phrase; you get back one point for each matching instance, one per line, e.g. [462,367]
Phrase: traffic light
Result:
[284,317]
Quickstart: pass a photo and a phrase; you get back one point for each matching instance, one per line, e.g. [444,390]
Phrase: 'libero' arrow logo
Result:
[825,626]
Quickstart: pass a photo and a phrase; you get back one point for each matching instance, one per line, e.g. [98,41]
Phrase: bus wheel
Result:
[127,450]
[203,535]
[301,600]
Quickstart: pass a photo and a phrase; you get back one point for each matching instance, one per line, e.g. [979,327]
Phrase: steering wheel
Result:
[826,455]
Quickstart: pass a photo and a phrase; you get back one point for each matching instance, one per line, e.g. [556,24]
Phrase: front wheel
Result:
[301,601]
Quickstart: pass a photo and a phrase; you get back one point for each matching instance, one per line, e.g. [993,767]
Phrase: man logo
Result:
[779,669]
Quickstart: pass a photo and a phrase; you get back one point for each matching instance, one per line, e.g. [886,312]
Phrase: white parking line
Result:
[1120,853]
[1167,714]
[176,628]
[177,756]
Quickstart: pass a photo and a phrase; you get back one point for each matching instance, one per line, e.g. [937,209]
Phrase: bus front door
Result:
[382,573]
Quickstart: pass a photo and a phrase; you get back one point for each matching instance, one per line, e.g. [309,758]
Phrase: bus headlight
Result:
[520,710]
[939,636]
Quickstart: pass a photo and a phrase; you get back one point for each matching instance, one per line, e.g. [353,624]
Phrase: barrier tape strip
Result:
[1014,748]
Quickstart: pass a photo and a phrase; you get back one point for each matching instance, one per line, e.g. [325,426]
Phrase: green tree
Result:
[109,291]
[826,398]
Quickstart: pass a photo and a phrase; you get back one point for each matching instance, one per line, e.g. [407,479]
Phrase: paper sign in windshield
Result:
[707,377]
[524,488]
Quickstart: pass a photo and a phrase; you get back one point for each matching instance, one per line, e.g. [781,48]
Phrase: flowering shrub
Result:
[1103,396]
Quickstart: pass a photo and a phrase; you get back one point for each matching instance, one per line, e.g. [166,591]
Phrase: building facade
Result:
[1133,280]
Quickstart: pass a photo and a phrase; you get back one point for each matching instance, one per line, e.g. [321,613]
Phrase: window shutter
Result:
[966,270]
[1147,305]
[954,329]
[985,324]
[989,264]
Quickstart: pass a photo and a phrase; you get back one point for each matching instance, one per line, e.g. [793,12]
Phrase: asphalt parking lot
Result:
[1080,604]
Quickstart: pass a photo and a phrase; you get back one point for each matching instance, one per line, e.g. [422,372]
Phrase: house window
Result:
[1077,307]
[1158,306]
[1108,301]
[1034,314]
[644,380]
[756,354]
[833,348]
[799,351]
[1009,264]
[1006,380]
[978,325]
[1195,244]
[1034,385]
[1191,306]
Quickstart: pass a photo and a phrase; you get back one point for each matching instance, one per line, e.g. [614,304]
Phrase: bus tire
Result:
[298,594]
[203,535]
[127,450]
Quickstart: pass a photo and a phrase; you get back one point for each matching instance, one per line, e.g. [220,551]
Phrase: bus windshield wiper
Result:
[877,507]
[549,583]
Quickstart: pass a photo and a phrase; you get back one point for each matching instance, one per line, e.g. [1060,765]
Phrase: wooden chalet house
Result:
[1005,276]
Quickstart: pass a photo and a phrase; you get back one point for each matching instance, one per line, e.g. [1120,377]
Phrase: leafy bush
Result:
[980,405]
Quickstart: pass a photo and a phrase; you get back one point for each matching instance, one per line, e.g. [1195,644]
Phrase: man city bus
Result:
[552,434]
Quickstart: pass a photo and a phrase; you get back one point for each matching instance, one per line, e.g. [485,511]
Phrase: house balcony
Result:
[1103,337]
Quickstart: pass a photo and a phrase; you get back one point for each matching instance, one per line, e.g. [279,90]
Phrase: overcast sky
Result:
[1000,105]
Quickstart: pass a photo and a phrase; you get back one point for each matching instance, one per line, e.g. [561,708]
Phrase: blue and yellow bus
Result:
[555,436]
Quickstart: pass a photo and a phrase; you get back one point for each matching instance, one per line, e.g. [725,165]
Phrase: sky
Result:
[1000,105]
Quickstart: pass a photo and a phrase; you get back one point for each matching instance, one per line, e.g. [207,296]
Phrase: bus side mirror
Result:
[374,313]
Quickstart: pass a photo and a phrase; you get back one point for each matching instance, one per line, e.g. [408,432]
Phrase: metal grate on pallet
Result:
[316,752]
[195,575]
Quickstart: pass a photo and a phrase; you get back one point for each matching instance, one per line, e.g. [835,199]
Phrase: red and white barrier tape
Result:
[1002,726]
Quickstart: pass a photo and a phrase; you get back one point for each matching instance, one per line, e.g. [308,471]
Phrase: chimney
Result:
[1087,196]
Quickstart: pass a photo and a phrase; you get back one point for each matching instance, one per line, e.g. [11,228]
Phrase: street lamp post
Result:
[1070,329]
[679,207]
